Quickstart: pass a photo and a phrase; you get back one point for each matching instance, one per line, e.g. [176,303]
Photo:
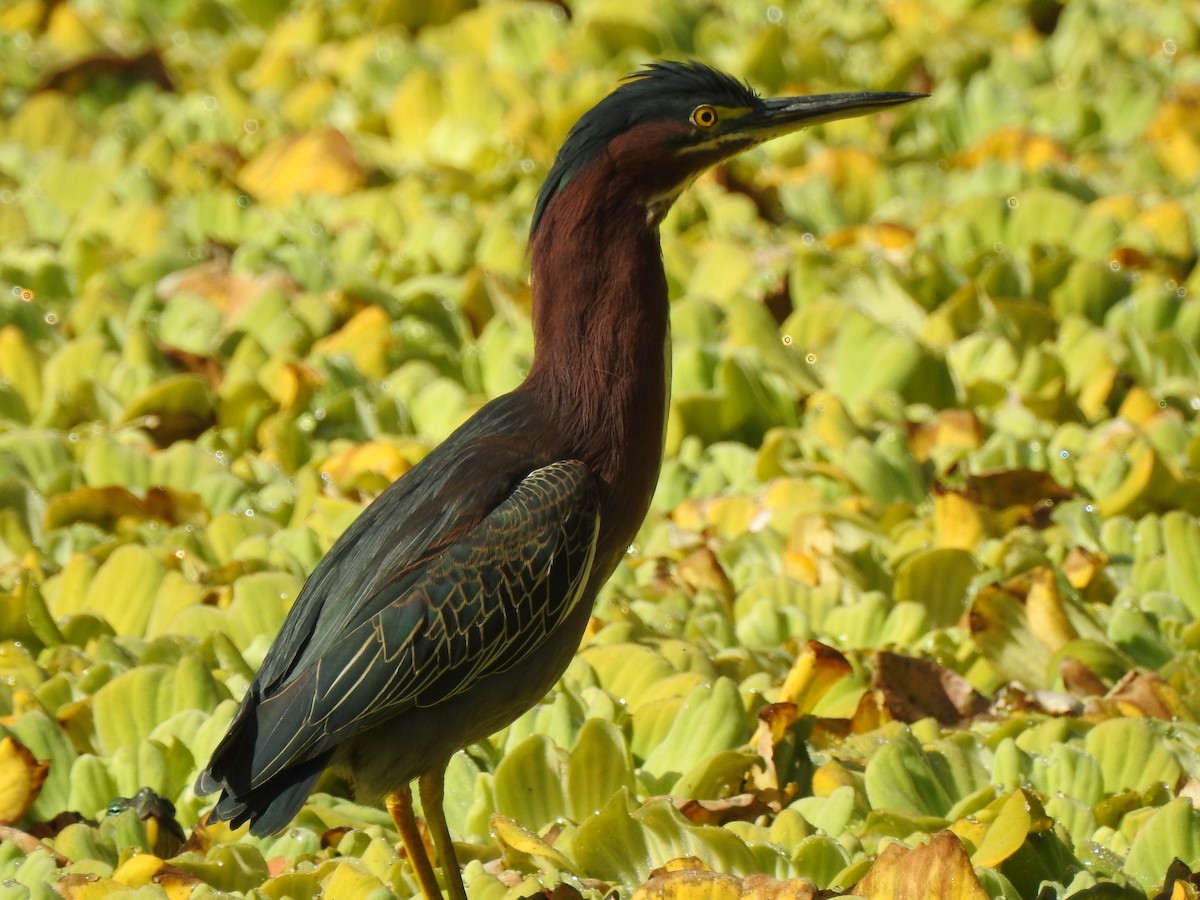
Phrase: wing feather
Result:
[472,611]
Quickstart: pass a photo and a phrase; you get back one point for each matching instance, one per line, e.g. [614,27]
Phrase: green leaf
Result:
[598,767]
[938,581]
[129,708]
[132,574]
[1181,535]
[900,776]
[612,845]
[530,783]
[1133,754]
[1173,832]
[710,720]
[1068,771]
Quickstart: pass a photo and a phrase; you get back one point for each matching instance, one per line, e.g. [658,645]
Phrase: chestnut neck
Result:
[601,326]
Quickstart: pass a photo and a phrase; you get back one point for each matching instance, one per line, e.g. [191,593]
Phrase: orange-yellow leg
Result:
[432,785]
[400,808]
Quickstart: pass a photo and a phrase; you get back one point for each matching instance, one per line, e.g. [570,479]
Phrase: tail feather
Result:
[272,805]
[236,770]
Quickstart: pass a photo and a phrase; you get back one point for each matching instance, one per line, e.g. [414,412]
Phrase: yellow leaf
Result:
[870,714]
[515,838]
[365,339]
[1032,151]
[1095,391]
[138,870]
[1000,629]
[21,15]
[813,673]
[1120,207]
[80,886]
[801,567]
[68,36]
[939,869]
[690,884]
[21,779]
[294,386]
[1150,483]
[726,516]
[347,880]
[831,775]
[1174,134]
[371,466]
[830,421]
[1044,608]
[1007,833]
[846,166]
[971,831]
[1166,228]
[21,366]
[689,516]
[111,505]
[885,236]
[318,162]
[1139,407]
[292,38]
[701,569]
[308,101]
[957,521]
[683,864]
[731,516]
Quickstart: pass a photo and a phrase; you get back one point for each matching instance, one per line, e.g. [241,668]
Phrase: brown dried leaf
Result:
[127,71]
[738,808]
[331,837]
[1146,694]
[914,689]
[106,506]
[1181,883]
[1031,492]
[774,721]
[1080,680]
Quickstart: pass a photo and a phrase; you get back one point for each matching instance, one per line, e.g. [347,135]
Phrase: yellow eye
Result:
[704,116]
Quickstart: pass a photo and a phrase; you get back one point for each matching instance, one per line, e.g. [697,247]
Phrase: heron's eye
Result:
[704,116]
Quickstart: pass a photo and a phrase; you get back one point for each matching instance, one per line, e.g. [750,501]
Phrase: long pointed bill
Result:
[783,115]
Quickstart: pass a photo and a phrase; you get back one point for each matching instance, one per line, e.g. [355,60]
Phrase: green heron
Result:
[457,599]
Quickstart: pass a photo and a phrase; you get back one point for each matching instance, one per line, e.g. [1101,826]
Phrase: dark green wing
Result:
[477,608]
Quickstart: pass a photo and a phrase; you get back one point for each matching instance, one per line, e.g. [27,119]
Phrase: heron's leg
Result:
[432,784]
[400,808]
